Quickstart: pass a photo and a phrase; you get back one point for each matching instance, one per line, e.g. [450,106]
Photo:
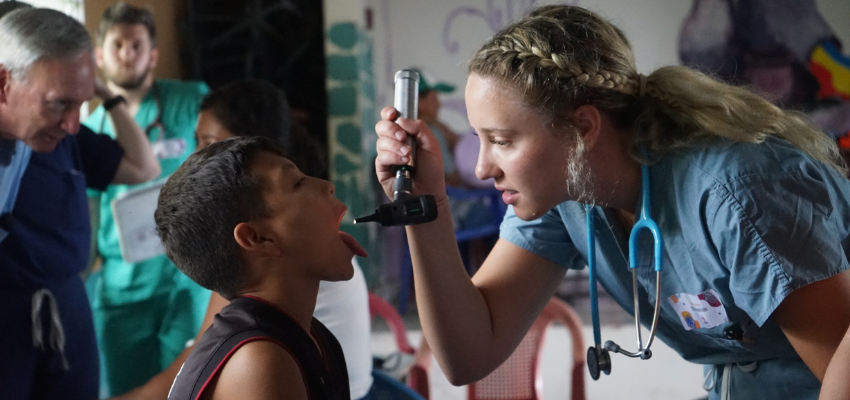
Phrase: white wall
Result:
[73,8]
[441,35]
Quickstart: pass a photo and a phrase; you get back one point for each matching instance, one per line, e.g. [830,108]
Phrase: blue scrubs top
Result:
[744,225]
[14,156]
[51,236]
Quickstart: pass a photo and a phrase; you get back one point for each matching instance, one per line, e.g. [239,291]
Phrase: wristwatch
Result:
[112,102]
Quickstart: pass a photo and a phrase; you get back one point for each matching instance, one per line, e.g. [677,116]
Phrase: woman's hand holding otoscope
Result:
[405,209]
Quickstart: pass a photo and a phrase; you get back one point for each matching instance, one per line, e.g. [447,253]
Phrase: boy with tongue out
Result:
[240,219]
[255,108]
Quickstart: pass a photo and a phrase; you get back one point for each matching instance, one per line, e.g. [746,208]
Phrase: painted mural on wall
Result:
[492,14]
[496,15]
[351,113]
[783,49]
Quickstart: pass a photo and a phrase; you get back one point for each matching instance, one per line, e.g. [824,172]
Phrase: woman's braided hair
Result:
[560,57]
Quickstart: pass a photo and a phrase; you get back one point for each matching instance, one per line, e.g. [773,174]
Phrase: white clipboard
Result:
[133,212]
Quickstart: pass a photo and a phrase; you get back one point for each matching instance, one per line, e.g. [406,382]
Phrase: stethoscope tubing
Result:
[644,222]
[591,275]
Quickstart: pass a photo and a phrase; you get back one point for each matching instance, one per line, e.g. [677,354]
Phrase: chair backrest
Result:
[417,375]
[558,310]
[385,387]
[520,376]
[379,306]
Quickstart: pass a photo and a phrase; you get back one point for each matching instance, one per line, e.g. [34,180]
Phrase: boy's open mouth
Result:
[350,241]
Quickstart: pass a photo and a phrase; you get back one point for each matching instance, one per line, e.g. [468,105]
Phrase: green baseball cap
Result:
[428,83]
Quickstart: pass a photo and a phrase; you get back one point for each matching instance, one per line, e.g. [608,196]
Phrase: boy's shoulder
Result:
[257,338]
[260,369]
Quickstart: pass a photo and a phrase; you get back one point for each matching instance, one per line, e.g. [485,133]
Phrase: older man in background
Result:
[42,86]
[47,344]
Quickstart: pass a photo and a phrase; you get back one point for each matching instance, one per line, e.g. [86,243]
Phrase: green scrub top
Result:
[173,141]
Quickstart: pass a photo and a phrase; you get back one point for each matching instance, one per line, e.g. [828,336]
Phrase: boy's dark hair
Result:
[202,202]
[125,14]
[257,108]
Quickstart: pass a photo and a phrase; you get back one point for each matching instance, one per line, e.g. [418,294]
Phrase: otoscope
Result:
[405,209]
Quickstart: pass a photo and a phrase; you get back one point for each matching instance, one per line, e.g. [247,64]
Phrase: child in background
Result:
[240,219]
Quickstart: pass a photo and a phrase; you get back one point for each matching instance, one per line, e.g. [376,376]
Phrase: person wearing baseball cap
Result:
[429,109]
[468,212]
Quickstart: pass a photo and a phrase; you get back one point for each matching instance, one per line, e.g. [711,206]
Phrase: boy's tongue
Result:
[352,244]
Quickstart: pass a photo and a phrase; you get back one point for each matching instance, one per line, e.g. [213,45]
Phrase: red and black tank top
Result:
[247,319]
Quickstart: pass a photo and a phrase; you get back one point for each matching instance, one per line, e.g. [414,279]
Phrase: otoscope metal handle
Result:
[403,185]
[406,101]
[405,209]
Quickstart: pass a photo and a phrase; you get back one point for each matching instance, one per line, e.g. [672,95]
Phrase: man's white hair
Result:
[28,35]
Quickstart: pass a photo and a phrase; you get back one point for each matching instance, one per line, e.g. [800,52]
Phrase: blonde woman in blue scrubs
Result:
[751,201]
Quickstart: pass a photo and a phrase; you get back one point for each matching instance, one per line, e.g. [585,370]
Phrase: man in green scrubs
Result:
[145,310]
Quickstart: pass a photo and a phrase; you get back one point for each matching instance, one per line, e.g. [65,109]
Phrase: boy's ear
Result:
[250,238]
[588,120]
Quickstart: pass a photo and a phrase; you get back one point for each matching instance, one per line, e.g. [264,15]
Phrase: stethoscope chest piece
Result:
[598,361]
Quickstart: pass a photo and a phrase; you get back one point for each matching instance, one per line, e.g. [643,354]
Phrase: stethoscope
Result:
[598,359]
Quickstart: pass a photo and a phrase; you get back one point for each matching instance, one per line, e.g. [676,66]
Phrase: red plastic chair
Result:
[417,376]
[519,377]
[379,306]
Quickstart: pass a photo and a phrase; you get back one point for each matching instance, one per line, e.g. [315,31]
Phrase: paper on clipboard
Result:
[133,213]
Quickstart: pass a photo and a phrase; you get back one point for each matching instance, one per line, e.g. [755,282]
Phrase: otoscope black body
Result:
[405,209]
